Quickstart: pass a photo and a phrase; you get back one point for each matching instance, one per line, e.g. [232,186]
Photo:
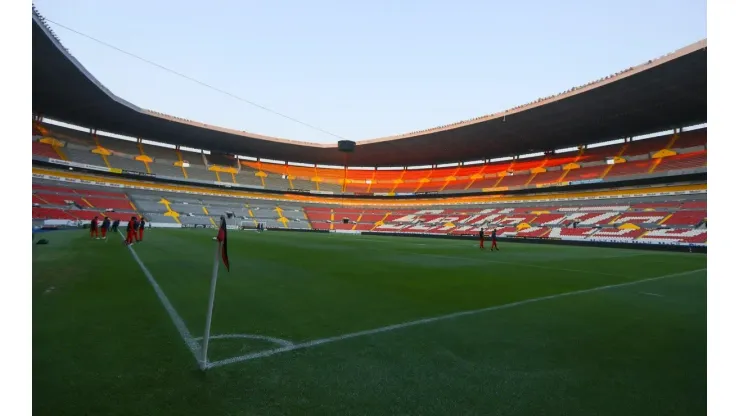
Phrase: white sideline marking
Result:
[190,342]
[279,341]
[317,342]
[651,294]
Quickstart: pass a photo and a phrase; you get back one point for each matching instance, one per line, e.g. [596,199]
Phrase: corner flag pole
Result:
[209,315]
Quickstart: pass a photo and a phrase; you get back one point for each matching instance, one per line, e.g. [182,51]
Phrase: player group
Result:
[482,236]
[134,229]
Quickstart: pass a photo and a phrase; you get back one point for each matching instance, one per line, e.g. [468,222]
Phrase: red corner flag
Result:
[221,237]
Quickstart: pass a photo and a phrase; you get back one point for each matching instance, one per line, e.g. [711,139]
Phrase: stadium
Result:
[367,292]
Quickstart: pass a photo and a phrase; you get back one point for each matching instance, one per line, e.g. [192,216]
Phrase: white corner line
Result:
[279,341]
[190,342]
[317,342]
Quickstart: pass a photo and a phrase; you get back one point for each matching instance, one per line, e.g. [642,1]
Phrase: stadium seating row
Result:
[669,221]
[644,157]
[595,222]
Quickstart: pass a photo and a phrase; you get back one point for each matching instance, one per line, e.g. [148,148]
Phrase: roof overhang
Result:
[669,92]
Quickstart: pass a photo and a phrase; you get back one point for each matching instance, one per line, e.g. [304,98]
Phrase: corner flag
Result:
[221,237]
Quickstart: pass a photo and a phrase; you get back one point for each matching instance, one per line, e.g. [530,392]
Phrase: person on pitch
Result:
[142,224]
[131,231]
[104,227]
[482,237]
[136,229]
[116,223]
[94,228]
[493,240]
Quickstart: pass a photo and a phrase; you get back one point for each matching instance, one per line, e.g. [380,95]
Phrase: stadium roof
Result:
[665,93]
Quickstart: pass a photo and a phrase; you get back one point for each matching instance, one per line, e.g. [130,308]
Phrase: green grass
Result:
[104,344]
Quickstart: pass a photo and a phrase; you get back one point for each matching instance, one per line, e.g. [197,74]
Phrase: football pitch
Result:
[324,324]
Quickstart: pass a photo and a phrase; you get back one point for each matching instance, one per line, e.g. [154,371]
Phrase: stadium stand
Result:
[166,168]
[126,163]
[585,164]
[682,161]
[594,221]
[43,150]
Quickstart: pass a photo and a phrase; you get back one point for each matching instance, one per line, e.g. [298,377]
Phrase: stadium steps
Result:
[281,217]
[665,219]
[674,138]
[169,212]
[381,222]
[233,178]
[354,227]
[562,177]
[331,218]
[423,180]
[308,221]
[140,146]
[316,178]
[610,167]
[540,168]
[105,159]
[501,178]
[344,180]
[372,181]
[179,158]
[397,182]
[87,202]
[655,164]
[59,152]
[450,178]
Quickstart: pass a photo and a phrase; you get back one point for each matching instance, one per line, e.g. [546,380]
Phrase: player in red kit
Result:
[142,223]
[94,228]
[493,240]
[482,238]
[131,231]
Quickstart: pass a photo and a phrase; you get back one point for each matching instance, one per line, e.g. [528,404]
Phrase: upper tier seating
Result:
[683,161]
[448,179]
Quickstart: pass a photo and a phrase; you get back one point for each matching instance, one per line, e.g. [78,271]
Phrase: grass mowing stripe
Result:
[388,328]
[190,342]
[535,266]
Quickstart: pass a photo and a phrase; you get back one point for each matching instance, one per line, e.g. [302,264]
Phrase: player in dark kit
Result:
[104,227]
[482,238]
[131,231]
[115,226]
[94,228]
[142,224]
[493,240]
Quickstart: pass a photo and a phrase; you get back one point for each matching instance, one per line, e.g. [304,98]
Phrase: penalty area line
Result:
[322,341]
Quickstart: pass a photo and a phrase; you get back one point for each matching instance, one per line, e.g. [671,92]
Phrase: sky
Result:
[361,70]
